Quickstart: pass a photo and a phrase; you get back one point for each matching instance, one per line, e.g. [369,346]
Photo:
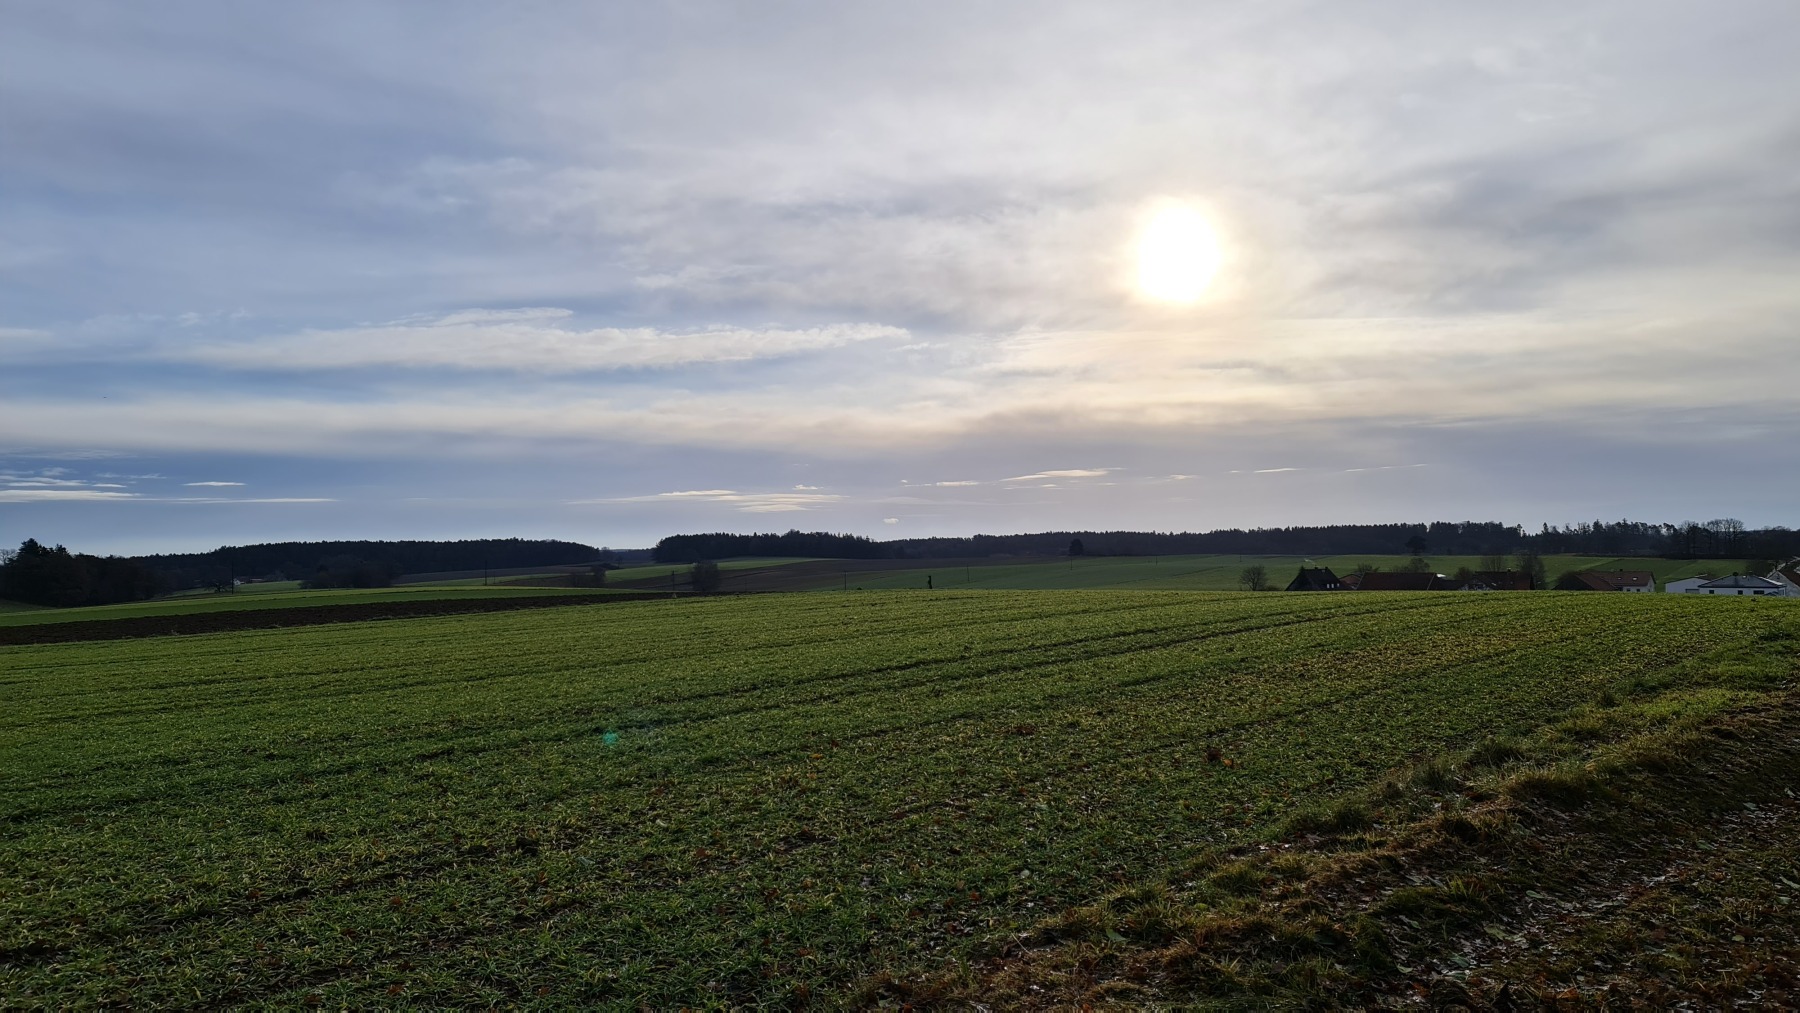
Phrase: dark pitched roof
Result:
[1402,581]
[1316,578]
[1499,580]
[1616,580]
[1743,580]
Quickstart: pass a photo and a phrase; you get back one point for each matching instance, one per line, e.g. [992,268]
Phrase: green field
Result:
[1209,572]
[260,587]
[743,800]
[192,604]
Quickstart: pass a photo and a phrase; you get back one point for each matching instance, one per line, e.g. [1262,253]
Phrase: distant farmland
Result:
[251,599]
[759,799]
[1142,573]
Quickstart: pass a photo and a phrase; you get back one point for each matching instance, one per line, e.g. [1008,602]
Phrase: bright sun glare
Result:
[1178,254]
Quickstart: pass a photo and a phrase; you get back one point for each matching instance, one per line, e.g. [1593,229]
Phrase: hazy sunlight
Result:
[1178,254]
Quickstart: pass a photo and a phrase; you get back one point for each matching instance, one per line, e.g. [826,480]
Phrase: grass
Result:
[749,800]
[653,575]
[190,605]
[507,581]
[1212,572]
[260,587]
[1653,869]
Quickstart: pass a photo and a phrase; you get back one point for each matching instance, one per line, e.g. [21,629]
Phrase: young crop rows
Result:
[719,801]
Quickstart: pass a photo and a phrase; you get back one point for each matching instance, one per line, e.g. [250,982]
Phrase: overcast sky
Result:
[608,272]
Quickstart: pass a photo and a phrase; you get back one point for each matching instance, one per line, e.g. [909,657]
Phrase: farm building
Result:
[1498,580]
[1685,584]
[1316,578]
[1404,581]
[1608,580]
[1739,584]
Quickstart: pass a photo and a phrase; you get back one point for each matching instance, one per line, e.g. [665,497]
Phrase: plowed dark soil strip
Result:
[317,615]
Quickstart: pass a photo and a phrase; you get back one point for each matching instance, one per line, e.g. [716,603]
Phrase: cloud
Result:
[522,341]
[1272,471]
[951,485]
[44,481]
[17,495]
[71,454]
[263,499]
[743,502]
[1066,473]
[890,520]
[97,494]
[49,484]
[1490,223]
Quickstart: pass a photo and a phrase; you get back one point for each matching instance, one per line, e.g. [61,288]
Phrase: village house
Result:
[1382,580]
[1788,576]
[1316,578]
[1739,584]
[1685,584]
[1498,580]
[1639,581]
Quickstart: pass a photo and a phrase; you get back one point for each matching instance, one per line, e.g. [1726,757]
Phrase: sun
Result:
[1178,254]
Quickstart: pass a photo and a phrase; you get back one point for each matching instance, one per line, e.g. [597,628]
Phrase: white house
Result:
[1788,576]
[1739,584]
[1685,585]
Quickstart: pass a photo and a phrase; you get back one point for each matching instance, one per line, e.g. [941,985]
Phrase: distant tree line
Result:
[351,571]
[40,575]
[720,545]
[330,564]
[1724,538]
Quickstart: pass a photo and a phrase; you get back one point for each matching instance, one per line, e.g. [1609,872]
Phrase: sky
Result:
[608,272]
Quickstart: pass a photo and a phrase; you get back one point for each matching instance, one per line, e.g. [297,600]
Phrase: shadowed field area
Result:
[249,601]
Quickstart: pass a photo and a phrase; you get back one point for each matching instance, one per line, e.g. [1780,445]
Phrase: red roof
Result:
[1501,580]
[1403,581]
[1617,580]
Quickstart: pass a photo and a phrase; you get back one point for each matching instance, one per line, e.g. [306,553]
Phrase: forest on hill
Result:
[302,560]
[1721,538]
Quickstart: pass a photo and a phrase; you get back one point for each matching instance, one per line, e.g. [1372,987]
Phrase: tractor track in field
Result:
[309,615]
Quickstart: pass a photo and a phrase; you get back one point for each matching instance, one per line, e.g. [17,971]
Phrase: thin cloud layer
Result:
[526,341]
[1542,247]
[743,502]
